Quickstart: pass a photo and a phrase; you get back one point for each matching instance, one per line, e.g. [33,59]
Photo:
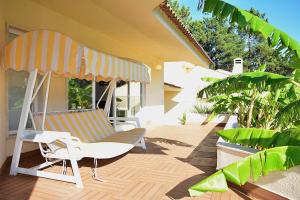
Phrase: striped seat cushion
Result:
[88,126]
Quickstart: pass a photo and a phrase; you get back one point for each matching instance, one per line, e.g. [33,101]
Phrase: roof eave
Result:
[177,22]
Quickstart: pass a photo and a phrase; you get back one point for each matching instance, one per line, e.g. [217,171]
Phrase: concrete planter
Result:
[283,183]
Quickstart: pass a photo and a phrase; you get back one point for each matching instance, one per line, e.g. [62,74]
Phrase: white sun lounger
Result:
[92,135]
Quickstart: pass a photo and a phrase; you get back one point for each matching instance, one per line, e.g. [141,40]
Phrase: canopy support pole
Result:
[106,89]
[94,93]
[46,100]
[109,97]
[23,121]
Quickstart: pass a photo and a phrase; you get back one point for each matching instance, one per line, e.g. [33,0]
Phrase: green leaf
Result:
[262,68]
[210,79]
[219,7]
[255,137]
[275,38]
[285,38]
[267,30]
[297,75]
[227,11]
[289,115]
[295,63]
[245,81]
[256,165]
[251,167]
[215,183]
[209,6]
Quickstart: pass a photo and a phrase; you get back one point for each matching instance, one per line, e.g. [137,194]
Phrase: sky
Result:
[284,15]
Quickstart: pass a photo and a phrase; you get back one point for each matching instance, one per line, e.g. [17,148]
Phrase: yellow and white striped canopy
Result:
[106,67]
[52,51]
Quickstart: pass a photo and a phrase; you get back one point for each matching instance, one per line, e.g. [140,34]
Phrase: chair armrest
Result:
[44,136]
[126,119]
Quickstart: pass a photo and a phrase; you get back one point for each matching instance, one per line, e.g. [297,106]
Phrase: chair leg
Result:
[94,171]
[64,171]
[143,144]
[76,173]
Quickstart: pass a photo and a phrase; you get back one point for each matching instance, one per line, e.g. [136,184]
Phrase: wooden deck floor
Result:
[176,158]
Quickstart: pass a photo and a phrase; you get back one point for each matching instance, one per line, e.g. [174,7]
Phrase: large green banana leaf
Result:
[289,115]
[249,168]
[277,38]
[255,137]
[245,81]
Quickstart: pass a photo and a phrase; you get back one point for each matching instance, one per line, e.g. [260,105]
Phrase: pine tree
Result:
[223,42]
[219,40]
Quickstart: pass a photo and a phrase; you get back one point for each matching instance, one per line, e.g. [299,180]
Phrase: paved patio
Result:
[176,158]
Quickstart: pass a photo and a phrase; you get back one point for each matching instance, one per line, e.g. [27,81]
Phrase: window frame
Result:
[142,98]
[10,29]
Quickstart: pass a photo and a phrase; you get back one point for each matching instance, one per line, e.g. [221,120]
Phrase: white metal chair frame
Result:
[48,137]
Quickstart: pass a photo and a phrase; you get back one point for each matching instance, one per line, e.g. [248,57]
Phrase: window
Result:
[16,86]
[134,98]
[122,99]
[128,98]
[16,83]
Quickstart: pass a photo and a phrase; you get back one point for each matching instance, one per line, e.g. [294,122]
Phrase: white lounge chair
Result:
[92,135]
[88,136]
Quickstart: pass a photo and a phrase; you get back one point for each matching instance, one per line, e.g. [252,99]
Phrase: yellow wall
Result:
[29,15]
[3,116]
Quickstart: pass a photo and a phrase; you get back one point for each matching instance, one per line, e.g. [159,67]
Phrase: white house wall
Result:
[188,77]
[153,110]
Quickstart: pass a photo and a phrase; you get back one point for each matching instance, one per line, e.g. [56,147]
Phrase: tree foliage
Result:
[289,115]
[182,12]
[257,97]
[79,94]
[219,40]
[225,41]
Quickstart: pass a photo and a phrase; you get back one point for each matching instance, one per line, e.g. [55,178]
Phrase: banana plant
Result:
[256,96]
[245,81]
[277,38]
[283,154]
[273,93]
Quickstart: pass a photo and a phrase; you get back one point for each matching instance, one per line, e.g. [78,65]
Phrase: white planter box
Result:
[283,183]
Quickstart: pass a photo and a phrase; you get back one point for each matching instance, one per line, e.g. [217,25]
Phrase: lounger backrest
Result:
[88,126]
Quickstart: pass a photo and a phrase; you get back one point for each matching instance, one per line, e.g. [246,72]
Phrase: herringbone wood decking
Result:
[176,158]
